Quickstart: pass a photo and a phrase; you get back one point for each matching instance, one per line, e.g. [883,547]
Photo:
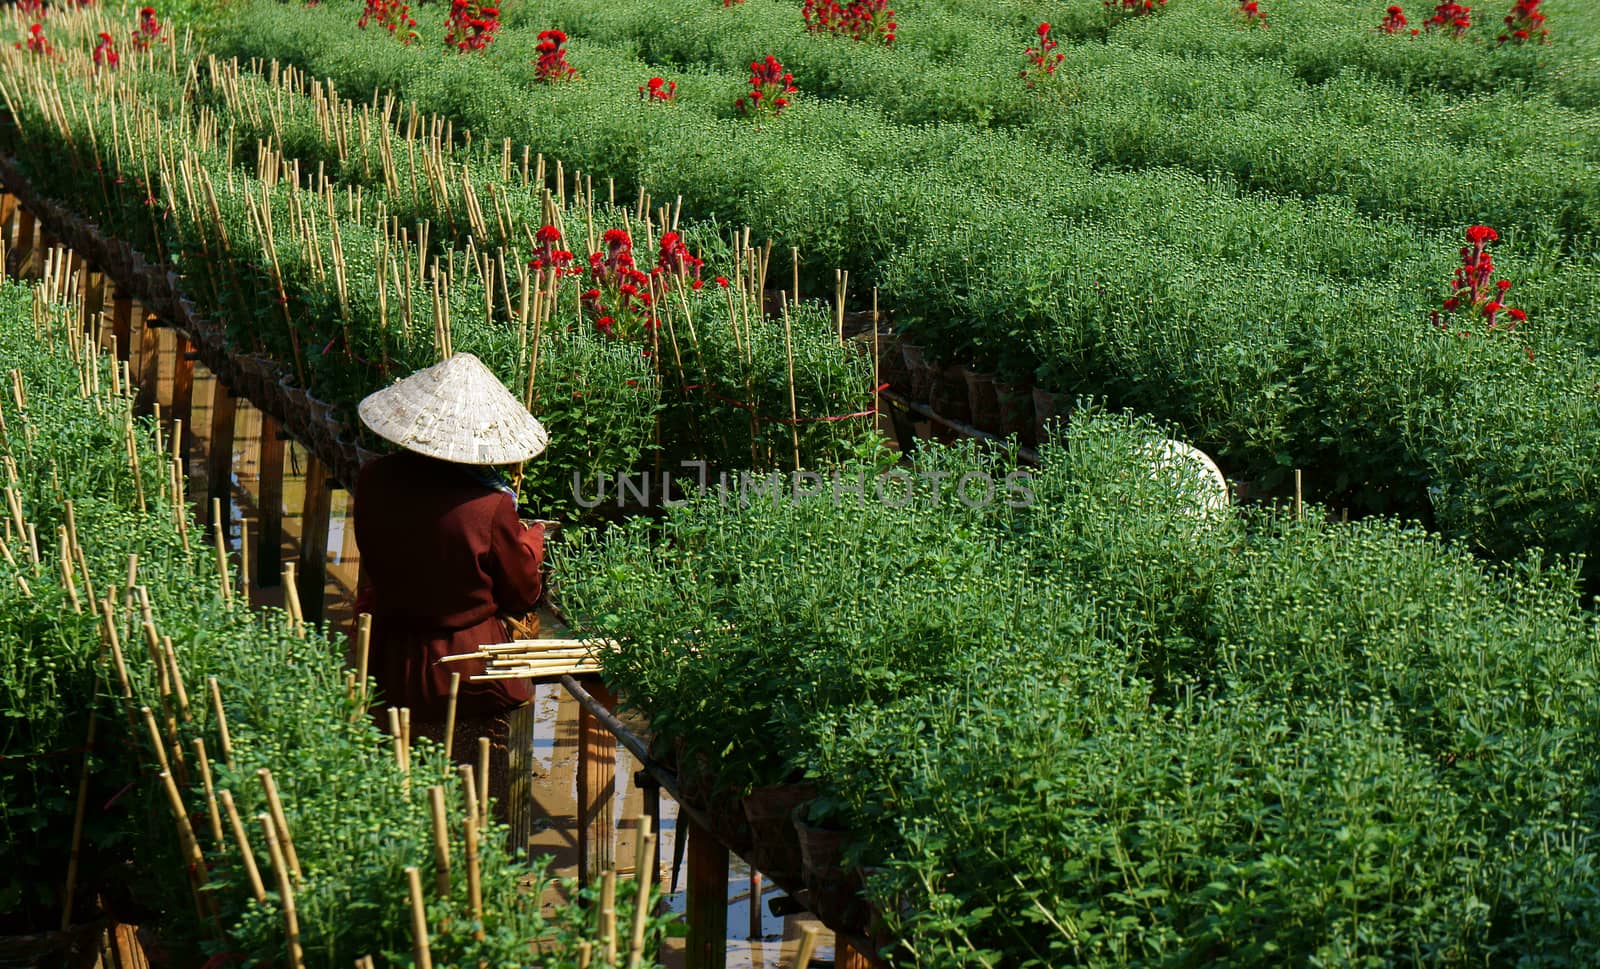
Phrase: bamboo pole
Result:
[275,806]
[363,649]
[211,792]
[643,875]
[222,721]
[441,842]
[188,843]
[419,919]
[483,782]
[470,836]
[450,714]
[246,853]
[291,921]
[77,828]
[608,916]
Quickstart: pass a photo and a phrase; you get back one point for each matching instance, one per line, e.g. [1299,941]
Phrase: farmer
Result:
[443,552]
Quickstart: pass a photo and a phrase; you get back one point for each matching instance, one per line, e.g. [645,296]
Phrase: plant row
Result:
[627,347]
[1278,333]
[1078,718]
[225,752]
[1423,154]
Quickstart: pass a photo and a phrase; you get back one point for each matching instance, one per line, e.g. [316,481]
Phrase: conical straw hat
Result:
[456,411]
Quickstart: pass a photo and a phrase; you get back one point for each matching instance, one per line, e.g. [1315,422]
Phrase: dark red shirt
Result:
[444,556]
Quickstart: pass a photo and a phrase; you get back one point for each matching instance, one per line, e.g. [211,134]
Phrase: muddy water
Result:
[556,728]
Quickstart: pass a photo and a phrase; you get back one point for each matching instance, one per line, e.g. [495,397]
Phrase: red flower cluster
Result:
[1394,21]
[659,90]
[471,25]
[552,64]
[769,87]
[548,256]
[1136,8]
[675,257]
[1250,13]
[393,16]
[36,42]
[619,298]
[105,53]
[1474,292]
[1524,23]
[1042,60]
[148,33]
[867,20]
[728,3]
[1450,15]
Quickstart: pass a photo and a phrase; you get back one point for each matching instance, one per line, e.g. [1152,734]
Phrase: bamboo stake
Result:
[187,842]
[808,945]
[177,678]
[608,916]
[643,875]
[275,805]
[441,842]
[419,919]
[222,721]
[291,922]
[483,782]
[794,409]
[474,873]
[397,739]
[156,740]
[211,792]
[109,625]
[220,539]
[252,873]
[291,596]
[77,828]
[450,714]
[363,647]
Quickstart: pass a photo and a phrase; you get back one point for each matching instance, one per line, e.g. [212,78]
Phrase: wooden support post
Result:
[8,208]
[707,945]
[597,784]
[22,245]
[149,363]
[269,540]
[219,452]
[122,324]
[183,390]
[847,956]
[312,575]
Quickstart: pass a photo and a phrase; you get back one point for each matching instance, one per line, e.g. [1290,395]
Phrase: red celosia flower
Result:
[620,299]
[1524,23]
[722,281]
[552,65]
[659,89]
[105,53]
[768,85]
[1471,292]
[393,16]
[1394,21]
[1136,8]
[1250,12]
[675,257]
[865,20]
[547,256]
[36,42]
[470,26]
[149,32]
[1042,60]
[1450,15]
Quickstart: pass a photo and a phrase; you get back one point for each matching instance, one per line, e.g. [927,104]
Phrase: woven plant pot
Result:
[949,396]
[919,373]
[983,404]
[769,811]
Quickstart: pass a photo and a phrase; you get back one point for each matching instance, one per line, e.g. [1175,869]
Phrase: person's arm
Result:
[516,558]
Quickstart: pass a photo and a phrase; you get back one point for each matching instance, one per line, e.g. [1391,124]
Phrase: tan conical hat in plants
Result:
[456,410]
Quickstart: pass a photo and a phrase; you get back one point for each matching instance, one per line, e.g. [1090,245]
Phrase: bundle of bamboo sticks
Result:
[537,659]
